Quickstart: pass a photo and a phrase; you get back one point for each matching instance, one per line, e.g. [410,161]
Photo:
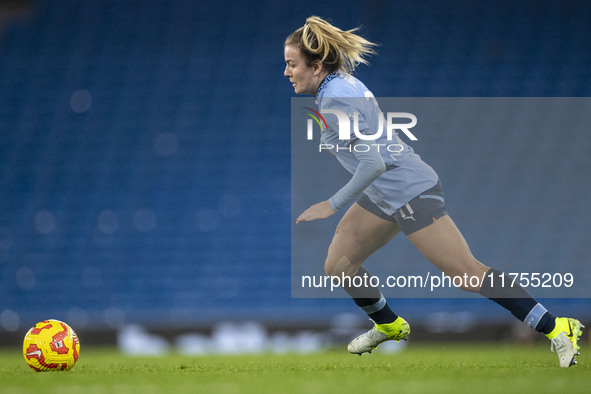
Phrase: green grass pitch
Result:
[419,368]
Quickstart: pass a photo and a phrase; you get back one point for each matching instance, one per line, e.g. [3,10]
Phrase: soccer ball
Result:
[51,345]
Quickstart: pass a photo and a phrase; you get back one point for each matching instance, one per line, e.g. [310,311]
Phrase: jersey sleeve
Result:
[371,165]
[344,109]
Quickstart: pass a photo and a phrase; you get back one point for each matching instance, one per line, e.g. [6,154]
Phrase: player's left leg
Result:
[444,246]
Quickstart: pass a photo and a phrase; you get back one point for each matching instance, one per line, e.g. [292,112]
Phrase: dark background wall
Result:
[145,150]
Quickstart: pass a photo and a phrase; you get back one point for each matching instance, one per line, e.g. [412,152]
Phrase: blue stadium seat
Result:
[163,189]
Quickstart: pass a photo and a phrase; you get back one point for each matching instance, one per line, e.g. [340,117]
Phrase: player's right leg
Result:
[358,235]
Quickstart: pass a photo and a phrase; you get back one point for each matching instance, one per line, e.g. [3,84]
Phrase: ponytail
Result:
[336,49]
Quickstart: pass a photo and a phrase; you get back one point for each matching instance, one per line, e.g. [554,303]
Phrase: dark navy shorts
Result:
[414,215]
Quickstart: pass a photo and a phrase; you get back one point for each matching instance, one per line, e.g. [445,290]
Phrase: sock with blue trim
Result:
[502,289]
[371,301]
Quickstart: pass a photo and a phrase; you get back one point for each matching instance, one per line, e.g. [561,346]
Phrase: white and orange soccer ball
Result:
[51,345]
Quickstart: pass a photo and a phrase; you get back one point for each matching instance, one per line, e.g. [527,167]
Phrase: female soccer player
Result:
[394,193]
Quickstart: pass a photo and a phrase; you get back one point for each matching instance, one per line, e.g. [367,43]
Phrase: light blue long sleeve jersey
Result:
[390,177]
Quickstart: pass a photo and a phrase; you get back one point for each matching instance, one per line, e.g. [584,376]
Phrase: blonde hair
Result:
[336,49]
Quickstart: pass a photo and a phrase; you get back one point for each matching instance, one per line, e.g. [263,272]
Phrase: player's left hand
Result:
[322,210]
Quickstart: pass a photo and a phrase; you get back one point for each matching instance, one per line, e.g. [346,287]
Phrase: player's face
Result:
[304,79]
